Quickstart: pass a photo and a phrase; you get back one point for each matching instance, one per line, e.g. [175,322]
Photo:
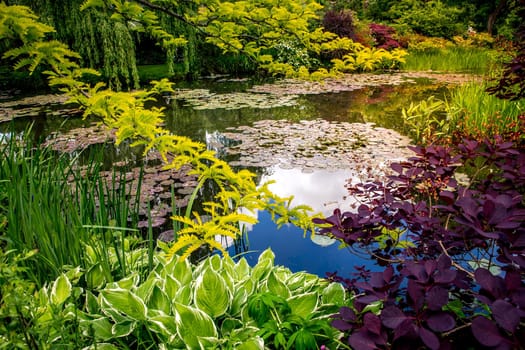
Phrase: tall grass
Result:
[453,59]
[472,111]
[50,205]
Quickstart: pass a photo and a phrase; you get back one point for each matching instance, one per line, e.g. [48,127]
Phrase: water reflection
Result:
[324,191]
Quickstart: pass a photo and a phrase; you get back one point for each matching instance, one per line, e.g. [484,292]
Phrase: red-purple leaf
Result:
[486,332]
[341,325]
[361,341]
[436,298]
[441,322]
[429,338]
[391,316]
[372,323]
[405,328]
[492,284]
[505,314]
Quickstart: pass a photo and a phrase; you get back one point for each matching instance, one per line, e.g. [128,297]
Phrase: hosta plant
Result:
[218,304]
[461,281]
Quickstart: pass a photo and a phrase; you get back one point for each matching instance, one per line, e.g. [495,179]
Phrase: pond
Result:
[310,138]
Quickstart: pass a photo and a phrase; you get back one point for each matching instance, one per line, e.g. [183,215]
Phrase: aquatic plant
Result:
[473,112]
[460,282]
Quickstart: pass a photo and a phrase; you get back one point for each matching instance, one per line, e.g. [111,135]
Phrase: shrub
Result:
[383,36]
[460,280]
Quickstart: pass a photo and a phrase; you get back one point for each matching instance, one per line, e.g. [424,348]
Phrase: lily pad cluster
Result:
[204,99]
[34,106]
[157,187]
[79,138]
[315,144]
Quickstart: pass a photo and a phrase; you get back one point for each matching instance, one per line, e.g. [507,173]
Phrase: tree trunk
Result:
[494,15]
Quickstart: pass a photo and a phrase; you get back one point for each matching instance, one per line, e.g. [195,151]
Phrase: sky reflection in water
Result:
[324,191]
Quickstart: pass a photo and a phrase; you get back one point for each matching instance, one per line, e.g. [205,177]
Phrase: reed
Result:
[473,112]
[50,204]
[453,59]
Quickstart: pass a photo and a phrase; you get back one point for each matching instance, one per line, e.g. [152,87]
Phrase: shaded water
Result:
[322,188]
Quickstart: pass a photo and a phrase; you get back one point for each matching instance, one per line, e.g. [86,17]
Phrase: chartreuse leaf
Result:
[166,326]
[267,255]
[123,301]
[262,269]
[212,294]
[159,301]
[251,344]
[276,286]
[123,329]
[303,305]
[101,327]
[241,269]
[334,293]
[61,290]
[239,300]
[193,323]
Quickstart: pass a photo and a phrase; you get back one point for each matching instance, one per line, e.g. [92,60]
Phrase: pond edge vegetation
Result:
[160,296]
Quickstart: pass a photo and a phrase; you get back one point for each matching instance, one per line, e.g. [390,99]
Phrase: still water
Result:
[322,188]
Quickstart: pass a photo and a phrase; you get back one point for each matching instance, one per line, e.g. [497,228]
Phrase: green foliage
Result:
[423,119]
[450,58]
[477,114]
[19,25]
[364,59]
[217,304]
[430,18]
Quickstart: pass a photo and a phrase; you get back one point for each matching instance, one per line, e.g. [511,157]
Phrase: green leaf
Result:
[124,301]
[193,323]
[262,269]
[165,325]
[267,255]
[159,301]
[303,305]
[61,290]
[251,344]
[183,295]
[242,269]
[334,293]
[276,286]
[239,300]
[212,294]
[101,328]
[123,329]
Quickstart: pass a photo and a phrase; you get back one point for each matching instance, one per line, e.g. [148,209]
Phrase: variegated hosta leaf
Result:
[212,294]
[61,290]
[193,323]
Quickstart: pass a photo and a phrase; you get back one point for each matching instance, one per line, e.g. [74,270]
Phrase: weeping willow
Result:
[189,51]
[102,43]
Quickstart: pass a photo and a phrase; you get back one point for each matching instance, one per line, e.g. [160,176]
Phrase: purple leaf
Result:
[429,338]
[361,341]
[437,297]
[444,262]
[405,328]
[392,317]
[372,323]
[492,284]
[445,276]
[416,293]
[486,332]
[505,314]
[347,314]
[341,325]
[441,322]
